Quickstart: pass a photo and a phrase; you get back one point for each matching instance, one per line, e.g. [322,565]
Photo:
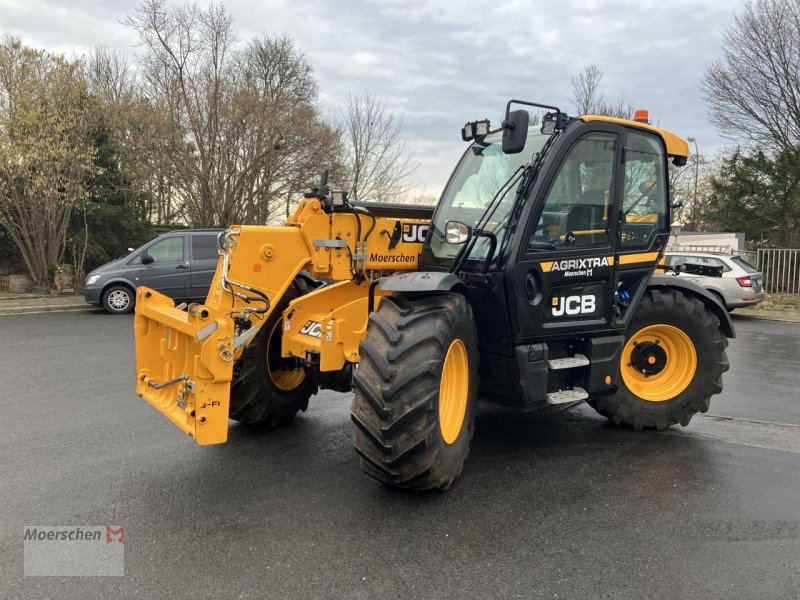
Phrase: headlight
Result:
[92,279]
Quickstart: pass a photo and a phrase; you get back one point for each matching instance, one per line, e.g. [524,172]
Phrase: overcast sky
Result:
[441,63]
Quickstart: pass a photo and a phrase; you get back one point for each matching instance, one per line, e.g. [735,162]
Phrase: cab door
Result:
[563,277]
[643,217]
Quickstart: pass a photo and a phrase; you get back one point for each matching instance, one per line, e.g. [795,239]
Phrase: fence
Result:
[781,270]
[699,248]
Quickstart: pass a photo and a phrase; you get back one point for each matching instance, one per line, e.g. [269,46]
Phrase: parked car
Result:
[179,264]
[740,284]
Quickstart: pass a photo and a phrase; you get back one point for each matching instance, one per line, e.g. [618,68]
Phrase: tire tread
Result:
[396,385]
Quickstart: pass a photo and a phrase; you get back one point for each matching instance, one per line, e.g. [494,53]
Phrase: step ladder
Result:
[568,396]
[570,362]
[574,395]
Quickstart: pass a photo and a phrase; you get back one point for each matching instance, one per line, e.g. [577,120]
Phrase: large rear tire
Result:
[677,341]
[416,391]
[267,389]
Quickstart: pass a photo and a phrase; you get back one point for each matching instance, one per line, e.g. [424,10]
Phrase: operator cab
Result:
[555,229]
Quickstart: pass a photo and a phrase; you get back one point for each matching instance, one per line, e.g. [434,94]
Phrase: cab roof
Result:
[676,145]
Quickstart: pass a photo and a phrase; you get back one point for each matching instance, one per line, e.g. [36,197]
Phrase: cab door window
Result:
[578,206]
[644,196]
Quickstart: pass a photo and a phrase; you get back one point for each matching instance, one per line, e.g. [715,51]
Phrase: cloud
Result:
[440,63]
[71,28]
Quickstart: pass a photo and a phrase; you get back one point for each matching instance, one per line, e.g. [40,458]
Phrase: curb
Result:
[27,310]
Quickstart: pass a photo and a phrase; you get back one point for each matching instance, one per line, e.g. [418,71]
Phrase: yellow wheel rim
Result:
[453,391]
[669,357]
[283,379]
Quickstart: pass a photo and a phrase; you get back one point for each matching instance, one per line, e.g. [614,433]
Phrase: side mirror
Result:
[456,232]
[147,259]
[515,131]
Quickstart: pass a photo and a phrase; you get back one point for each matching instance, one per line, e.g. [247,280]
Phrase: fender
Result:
[422,281]
[118,281]
[709,299]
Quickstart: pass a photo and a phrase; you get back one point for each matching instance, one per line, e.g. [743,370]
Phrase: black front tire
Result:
[689,314]
[118,300]
[255,398]
[397,391]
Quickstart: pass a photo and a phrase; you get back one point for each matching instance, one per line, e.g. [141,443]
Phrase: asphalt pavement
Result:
[547,507]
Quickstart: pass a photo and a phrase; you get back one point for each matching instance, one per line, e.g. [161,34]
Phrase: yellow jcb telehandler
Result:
[534,282]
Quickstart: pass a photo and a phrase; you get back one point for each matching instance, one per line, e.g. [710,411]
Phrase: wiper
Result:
[526,184]
[484,218]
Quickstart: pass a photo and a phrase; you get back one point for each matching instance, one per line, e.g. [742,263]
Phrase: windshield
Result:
[478,177]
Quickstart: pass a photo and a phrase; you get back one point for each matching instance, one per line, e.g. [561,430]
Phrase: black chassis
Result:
[510,295]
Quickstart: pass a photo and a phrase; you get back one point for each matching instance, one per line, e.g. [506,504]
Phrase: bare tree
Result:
[109,75]
[422,198]
[46,152]
[586,90]
[242,131]
[754,88]
[186,52]
[588,99]
[277,83]
[242,134]
[376,158]
[136,124]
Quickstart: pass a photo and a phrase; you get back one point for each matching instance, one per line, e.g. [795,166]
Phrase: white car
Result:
[740,284]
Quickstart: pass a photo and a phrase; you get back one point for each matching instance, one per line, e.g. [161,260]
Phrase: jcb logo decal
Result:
[574,305]
[414,234]
[312,328]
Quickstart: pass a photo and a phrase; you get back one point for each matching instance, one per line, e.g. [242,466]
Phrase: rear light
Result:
[745,281]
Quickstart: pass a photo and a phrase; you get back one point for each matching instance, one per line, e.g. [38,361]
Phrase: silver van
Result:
[179,264]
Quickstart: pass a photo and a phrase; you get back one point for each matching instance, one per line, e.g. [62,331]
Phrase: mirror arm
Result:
[469,245]
[526,103]
[492,247]
[462,255]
